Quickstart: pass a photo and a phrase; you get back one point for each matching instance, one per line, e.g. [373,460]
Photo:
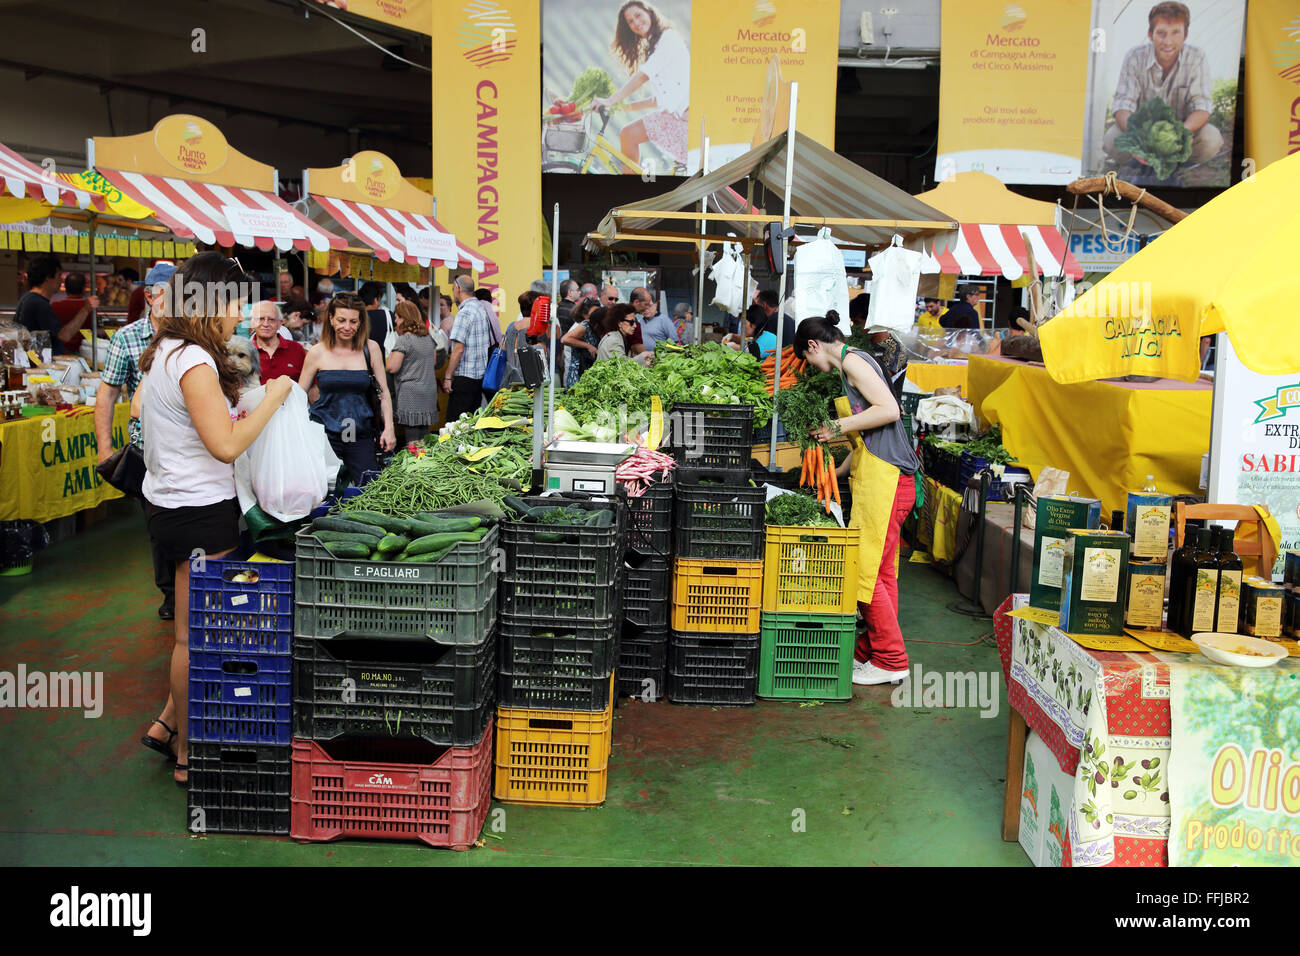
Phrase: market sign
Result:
[1273,78]
[246,221]
[191,143]
[1234,781]
[428,244]
[1101,252]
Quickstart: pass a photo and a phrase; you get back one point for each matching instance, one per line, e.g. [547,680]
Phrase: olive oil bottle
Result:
[1230,568]
[1182,570]
[1202,597]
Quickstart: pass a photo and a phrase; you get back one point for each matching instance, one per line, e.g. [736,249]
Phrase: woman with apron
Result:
[883,469]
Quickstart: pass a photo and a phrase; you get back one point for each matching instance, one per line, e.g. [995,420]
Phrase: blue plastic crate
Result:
[240,698]
[244,617]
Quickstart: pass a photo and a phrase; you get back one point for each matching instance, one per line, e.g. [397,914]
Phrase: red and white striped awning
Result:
[990,250]
[23,179]
[383,230]
[194,209]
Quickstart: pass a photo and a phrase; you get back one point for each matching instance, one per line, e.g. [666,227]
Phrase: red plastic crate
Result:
[366,792]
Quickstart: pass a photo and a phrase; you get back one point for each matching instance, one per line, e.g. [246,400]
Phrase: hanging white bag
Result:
[290,467]
[820,282]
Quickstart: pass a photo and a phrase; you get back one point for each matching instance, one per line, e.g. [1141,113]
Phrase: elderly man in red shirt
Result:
[278,354]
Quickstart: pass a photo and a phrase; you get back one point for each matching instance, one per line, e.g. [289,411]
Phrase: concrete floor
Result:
[687,786]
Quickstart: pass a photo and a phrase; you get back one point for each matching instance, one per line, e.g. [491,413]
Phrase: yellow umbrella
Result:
[1228,267]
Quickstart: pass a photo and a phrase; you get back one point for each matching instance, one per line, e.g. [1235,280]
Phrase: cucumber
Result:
[420,526]
[336,523]
[550,537]
[392,544]
[347,549]
[387,522]
[429,557]
[442,517]
[515,504]
[440,540]
[604,519]
[340,537]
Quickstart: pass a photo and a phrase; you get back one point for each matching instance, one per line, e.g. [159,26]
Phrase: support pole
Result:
[748,252]
[555,295]
[94,313]
[704,228]
[785,224]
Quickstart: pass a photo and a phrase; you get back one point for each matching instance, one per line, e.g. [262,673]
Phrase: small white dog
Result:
[243,353]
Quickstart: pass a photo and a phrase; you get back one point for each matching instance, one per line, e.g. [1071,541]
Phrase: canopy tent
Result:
[827,190]
[26,180]
[995,222]
[201,187]
[368,199]
[1228,267]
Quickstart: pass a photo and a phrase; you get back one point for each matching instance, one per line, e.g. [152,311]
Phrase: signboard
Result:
[1101,252]
[191,144]
[1011,89]
[413,15]
[245,221]
[428,244]
[1273,79]
[1255,441]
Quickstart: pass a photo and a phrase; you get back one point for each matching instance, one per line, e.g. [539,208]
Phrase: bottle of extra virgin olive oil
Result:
[1202,600]
[1230,567]
[1181,572]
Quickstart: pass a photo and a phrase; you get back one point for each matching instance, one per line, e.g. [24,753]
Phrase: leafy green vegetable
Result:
[798,509]
[806,405]
[593,82]
[1154,134]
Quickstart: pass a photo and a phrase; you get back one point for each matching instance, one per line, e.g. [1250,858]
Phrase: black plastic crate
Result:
[442,694]
[560,594]
[576,554]
[648,593]
[717,669]
[650,520]
[548,666]
[717,521]
[238,788]
[713,436]
[643,663]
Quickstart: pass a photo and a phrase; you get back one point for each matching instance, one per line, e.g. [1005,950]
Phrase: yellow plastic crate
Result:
[553,757]
[811,570]
[717,597]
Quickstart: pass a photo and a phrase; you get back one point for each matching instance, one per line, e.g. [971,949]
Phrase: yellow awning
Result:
[976,197]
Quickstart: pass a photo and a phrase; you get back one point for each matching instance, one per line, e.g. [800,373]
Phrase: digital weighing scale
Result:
[584,466]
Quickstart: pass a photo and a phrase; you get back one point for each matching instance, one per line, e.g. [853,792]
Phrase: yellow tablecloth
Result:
[1108,435]
[937,528]
[927,377]
[47,464]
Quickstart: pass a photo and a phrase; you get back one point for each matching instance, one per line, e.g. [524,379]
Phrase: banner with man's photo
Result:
[627,83]
[1162,92]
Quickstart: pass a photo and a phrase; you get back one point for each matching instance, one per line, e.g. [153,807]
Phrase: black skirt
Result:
[179,532]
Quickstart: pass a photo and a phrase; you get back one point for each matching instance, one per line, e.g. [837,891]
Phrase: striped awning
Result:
[383,230]
[196,210]
[23,179]
[994,250]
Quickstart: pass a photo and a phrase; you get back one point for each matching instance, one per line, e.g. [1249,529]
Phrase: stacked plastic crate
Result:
[810,584]
[394,690]
[643,654]
[240,697]
[561,615]
[718,568]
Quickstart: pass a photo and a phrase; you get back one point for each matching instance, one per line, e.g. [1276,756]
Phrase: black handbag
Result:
[124,470]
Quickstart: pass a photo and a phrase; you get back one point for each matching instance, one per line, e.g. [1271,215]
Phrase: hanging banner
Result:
[413,15]
[1272,82]
[1162,91]
[486,60]
[1255,442]
[669,65]
[1011,89]
[1234,781]
[47,464]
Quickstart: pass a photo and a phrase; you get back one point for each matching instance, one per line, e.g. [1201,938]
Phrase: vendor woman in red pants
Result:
[882,477]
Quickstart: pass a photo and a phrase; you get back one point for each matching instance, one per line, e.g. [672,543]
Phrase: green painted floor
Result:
[873,784]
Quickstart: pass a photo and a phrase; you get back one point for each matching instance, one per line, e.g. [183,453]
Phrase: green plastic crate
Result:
[806,656]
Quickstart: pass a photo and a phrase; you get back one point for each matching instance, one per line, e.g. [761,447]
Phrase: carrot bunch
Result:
[790,369]
[819,473]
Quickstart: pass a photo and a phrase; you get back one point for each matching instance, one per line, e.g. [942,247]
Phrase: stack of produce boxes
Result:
[394,682]
[810,578]
[240,627]
[718,569]
[561,615]
[643,653]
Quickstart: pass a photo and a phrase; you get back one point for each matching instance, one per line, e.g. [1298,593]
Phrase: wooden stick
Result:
[1097,184]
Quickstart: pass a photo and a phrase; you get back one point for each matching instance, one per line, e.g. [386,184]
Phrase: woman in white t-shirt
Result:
[655,54]
[190,445]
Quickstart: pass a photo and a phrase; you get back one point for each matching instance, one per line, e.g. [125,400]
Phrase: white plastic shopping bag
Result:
[289,469]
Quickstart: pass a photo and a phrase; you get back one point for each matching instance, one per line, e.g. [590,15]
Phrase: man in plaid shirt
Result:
[471,342]
[122,371]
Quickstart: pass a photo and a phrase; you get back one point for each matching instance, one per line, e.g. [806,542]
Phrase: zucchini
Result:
[423,526]
[339,537]
[515,504]
[550,537]
[434,542]
[336,523]
[392,544]
[347,549]
[387,522]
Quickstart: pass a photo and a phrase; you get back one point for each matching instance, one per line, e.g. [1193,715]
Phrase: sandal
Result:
[185,769]
[161,746]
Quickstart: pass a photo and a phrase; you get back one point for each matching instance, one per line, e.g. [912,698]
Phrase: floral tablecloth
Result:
[1105,717]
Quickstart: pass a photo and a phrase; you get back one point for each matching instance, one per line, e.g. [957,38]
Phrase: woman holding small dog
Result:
[190,445]
[338,376]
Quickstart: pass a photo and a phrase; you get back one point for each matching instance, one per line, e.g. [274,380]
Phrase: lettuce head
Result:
[1154,134]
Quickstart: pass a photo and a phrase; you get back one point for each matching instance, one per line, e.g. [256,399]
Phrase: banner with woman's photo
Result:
[621,92]
[1162,94]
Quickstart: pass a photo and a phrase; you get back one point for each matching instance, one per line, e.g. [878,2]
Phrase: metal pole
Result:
[555,296]
[94,313]
[780,295]
[704,228]
[744,289]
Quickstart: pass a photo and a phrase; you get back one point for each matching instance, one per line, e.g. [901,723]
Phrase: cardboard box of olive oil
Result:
[1262,604]
[1146,594]
[1054,516]
[1094,580]
[1148,523]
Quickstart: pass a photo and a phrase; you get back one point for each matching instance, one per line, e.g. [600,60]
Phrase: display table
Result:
[927,376]
[1096,708]
[1108,435]
[47,464]
[936,531]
